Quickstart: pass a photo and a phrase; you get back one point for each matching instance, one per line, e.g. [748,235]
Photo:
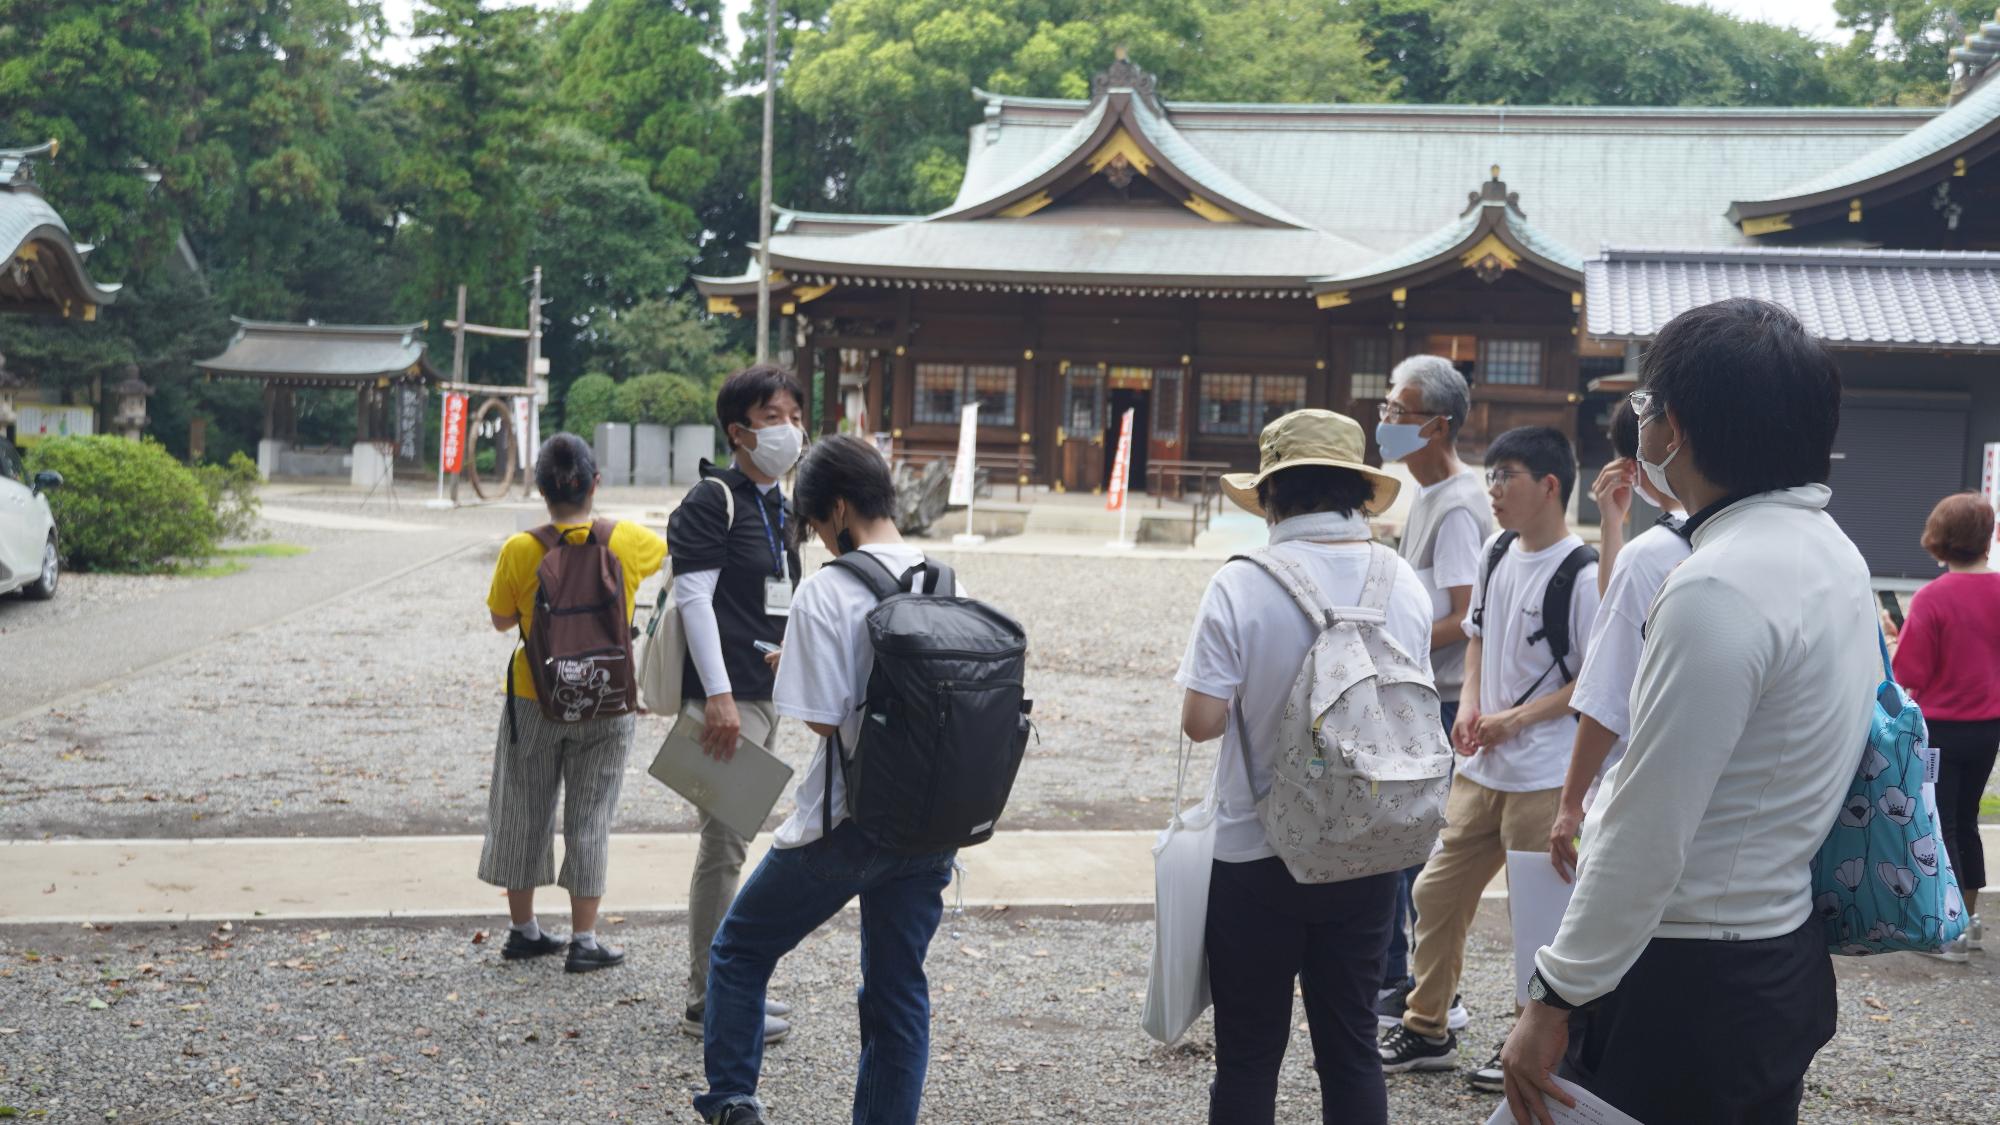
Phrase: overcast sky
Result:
[1815,17]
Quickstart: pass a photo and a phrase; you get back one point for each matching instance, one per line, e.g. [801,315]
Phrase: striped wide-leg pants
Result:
[583,764]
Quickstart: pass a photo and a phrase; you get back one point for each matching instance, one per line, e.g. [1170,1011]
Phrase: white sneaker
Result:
[1956,950]
[1975,935]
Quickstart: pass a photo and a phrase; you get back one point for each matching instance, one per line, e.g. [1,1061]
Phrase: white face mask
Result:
[1656,475]
[778,448]
[1398,440]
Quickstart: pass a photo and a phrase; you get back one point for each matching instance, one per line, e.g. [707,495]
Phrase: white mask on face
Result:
[778,448]
[1656,475]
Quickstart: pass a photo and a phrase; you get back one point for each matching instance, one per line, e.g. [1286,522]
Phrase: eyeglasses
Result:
[1388,410]
[1495,478]
[1642,402]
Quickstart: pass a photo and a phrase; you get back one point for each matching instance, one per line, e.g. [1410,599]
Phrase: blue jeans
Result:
[1396,965]
[791,893]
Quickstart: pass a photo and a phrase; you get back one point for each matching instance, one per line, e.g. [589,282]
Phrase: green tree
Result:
[1286,51]
[663,399]
[669,335]
[1903,47]
[603,239]
[1401,37]
[467,107]
[117,83]
[1626,52]
[646,76]
[590,401]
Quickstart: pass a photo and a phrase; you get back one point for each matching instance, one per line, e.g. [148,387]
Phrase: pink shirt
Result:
[1949,656]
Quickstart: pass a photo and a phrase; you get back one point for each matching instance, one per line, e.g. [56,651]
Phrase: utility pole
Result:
[764,189]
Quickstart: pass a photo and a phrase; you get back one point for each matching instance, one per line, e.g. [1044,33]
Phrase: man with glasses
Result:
[1692,935]
[1419,424]
[1532,609]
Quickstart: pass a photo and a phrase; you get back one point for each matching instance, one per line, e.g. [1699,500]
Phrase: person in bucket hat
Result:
[1311,437]
[1266,932]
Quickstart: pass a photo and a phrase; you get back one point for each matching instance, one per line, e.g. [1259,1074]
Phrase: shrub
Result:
[125,505]
[590,400]
[232,495]
[665,400]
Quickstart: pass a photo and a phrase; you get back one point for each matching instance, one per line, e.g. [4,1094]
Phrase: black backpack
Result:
[943,724]
[1555,605]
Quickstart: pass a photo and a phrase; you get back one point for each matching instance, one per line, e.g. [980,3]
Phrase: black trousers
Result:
[1266,931]
[1716,1032]
[1965,761]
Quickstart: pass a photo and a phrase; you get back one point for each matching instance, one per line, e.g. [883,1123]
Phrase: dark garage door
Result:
[1896,456]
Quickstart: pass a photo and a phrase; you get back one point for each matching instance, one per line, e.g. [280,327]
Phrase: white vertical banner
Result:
[524,431]
[1115,494]
[1989,479]
[964,471]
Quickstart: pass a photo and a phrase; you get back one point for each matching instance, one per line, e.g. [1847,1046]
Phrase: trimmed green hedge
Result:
[126,505]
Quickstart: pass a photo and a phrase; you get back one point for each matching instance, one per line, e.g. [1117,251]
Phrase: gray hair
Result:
[1440,386]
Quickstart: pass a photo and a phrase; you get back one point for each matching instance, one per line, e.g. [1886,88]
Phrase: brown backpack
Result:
[580,643]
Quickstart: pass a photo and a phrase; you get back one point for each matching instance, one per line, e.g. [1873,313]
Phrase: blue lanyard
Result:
[770,539]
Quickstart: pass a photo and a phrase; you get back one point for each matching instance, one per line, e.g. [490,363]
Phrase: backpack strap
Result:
[600,532]
[1555,606]
[1493,556]
[1381,577]
[930,577]
[873,573]
[548,535]
[1304,593]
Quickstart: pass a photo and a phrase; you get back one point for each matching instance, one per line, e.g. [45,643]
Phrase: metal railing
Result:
[1000,467]
[1199,481]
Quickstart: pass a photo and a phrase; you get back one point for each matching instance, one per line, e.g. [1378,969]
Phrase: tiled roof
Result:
[1110,251]
[321,354]
[1385,176]
[1453,236]
[1862,298]
[27,217]
[1976,112]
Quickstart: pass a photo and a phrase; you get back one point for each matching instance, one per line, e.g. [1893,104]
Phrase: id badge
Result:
[777,597]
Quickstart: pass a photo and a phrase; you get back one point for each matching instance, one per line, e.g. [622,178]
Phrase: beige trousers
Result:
[718,868]
[1481,826]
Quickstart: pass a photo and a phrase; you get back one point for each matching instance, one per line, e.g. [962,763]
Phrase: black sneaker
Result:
[1404,1050]
[1489,1077]
[1392,1003]
[742,1113]
[599,956]
[520,948]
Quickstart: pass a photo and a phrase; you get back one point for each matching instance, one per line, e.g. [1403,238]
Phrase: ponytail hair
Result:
[565,471]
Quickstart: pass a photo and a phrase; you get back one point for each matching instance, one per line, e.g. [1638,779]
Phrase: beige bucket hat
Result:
[1311,437]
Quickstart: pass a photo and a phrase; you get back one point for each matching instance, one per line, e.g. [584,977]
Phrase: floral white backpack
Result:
[1363,765]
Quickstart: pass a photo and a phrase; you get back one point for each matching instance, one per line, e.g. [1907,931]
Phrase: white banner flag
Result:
[1121,466]
[968,451]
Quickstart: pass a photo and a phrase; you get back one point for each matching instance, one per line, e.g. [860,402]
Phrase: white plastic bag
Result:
[1177,985]
[663,646]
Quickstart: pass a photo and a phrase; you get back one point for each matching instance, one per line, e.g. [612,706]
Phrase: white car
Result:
[28,559]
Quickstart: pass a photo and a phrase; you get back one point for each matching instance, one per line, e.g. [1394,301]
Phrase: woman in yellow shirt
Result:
[540,760]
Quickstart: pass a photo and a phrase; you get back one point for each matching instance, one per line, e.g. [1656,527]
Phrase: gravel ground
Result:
[377,714]
[1035,1016]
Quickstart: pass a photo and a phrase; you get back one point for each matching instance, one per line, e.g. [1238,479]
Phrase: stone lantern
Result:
[132,394]
[10,383]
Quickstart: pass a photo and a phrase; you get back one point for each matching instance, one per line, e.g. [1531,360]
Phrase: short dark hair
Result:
[565,471]
[1960,529]
[1542,450]
[1625,430]
[843,467]
[1304,489]
[750,388]
[1757,396]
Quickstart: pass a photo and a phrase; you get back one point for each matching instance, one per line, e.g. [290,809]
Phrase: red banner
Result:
[1121,466]
[452,434]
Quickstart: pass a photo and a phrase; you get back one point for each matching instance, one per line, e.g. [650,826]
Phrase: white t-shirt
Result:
[1455,555]
[823,677]
[1538,757]
[1604,686]
[1249,640]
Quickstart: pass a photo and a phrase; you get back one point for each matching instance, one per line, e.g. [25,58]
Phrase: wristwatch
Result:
[1540,992]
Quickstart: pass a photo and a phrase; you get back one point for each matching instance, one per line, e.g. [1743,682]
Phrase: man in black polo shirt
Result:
[733,585]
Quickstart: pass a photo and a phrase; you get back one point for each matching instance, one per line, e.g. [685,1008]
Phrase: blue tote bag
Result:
[1882,882]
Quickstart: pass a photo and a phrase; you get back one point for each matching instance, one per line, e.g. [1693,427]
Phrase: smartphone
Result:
[1889,603]
[767,648]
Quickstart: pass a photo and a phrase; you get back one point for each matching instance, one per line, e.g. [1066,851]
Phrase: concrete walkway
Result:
[433,876]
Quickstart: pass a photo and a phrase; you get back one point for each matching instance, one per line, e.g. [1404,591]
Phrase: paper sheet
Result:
[1536,899]
[1590,1109]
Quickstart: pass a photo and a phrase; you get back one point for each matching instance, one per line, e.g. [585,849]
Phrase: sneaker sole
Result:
[1488,1085]
[1458,1019]
[1432,1062]
[515,955]
[590,966]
